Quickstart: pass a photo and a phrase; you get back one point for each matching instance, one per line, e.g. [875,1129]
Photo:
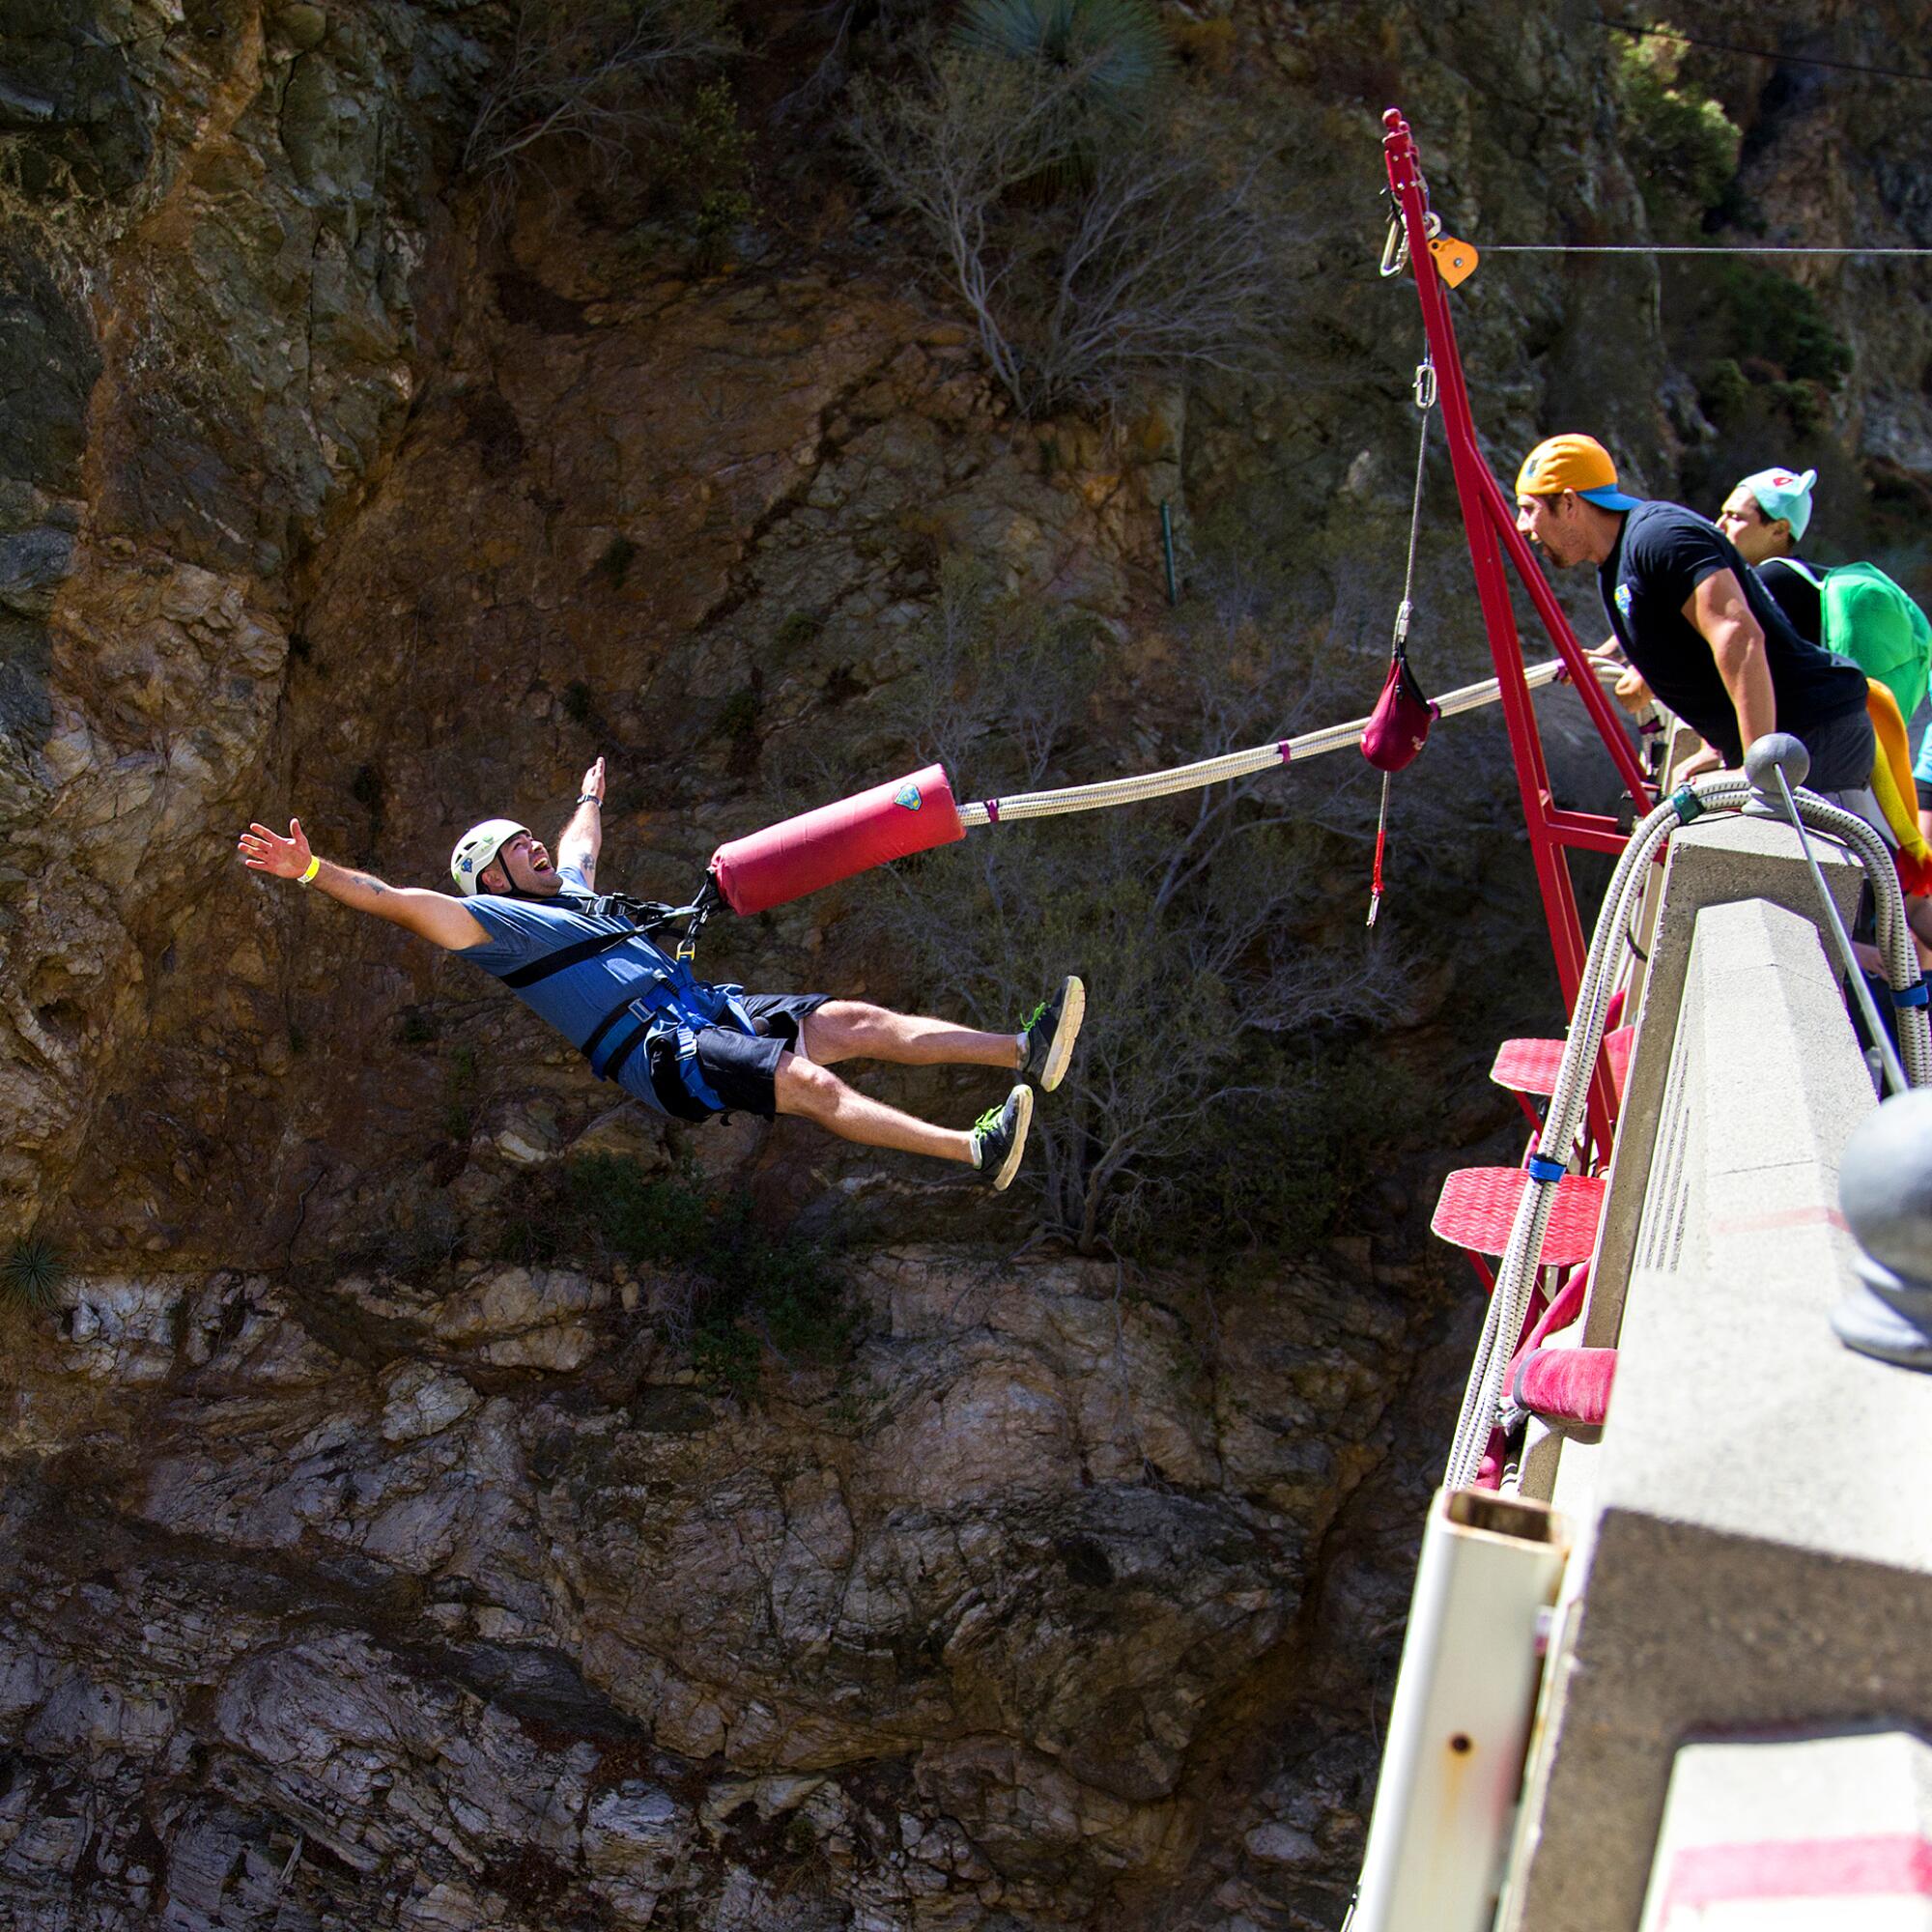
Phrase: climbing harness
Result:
[669,1003]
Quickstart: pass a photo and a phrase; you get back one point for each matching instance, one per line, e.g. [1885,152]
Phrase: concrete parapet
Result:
[1713,862]
[1744,1559]
[1804,1830]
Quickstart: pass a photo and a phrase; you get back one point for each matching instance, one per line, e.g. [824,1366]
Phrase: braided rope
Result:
[1229,765]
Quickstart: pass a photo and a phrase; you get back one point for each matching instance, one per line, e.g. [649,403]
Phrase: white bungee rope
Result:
[1516,1273]
[1229,764]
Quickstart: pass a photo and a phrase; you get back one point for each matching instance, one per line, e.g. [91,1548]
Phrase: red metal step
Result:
[1477,1208]
[1529,1065]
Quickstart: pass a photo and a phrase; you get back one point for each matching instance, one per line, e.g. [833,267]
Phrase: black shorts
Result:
[739,1068]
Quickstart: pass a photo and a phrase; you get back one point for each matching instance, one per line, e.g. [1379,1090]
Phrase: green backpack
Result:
[1869,618]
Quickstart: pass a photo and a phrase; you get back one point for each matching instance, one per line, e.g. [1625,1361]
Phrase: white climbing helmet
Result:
[475,849]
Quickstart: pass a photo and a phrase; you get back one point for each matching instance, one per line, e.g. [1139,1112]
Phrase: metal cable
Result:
[1894,1073]
[1425,401]
[1676,248]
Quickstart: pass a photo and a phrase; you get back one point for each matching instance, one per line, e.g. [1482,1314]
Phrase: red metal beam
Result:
[1602,714]
[1489,520]
[1587,830]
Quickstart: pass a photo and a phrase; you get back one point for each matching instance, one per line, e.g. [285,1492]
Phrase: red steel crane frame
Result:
[1489,518]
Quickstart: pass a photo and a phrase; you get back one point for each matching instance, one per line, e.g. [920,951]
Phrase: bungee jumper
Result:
[591,965]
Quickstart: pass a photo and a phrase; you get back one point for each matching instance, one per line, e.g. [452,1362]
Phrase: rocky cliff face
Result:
[358,1579]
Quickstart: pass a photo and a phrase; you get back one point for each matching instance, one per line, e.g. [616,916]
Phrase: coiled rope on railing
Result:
[1229,764]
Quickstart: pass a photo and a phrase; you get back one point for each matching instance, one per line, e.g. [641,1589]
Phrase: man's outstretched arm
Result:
[436,916]
[582,839]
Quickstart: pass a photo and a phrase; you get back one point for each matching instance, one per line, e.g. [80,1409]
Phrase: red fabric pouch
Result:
[1398,726]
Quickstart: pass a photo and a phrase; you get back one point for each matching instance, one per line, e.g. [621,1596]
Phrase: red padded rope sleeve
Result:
[786,861]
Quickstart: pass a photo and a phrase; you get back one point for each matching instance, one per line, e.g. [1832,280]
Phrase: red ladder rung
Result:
[1477,1210]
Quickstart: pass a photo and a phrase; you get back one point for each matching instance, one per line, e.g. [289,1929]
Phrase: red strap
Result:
[1382,843]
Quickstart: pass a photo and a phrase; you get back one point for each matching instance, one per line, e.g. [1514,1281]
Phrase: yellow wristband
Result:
[307,878]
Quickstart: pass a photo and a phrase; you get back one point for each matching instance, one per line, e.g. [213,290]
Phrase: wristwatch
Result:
[589,798]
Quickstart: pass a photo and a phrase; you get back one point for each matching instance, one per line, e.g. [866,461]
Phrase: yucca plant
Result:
[33,1272]
[1090,66]
[1121,43]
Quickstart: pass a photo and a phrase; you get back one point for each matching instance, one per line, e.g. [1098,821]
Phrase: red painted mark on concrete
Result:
[1785,1217]
[1895,1863]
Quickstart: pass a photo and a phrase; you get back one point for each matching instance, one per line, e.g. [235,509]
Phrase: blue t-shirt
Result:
[578,999]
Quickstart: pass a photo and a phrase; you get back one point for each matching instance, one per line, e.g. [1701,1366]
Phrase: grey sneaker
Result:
[1050,1031]
[999,1138]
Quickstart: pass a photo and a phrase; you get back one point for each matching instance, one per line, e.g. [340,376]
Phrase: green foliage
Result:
[738,720]
[1770,317]
[645,1221]
[799,628]
[33,1273]
[416,1028]
[714,170]
[1725,392]
[1681,145]
[1802,405]
[784,1291]
[725,1354]
[1284,1170]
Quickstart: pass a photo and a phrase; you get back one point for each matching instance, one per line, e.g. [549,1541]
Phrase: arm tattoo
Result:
[363,880]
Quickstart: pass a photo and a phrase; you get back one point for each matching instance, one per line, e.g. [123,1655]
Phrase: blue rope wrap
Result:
[1542,1168]
[1919,995]
[1687,804]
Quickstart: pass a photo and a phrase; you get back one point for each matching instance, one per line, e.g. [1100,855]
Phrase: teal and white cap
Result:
[1779,493]
[476,848]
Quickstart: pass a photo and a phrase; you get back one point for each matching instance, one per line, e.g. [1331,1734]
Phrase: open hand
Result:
[262,851]
[593,783]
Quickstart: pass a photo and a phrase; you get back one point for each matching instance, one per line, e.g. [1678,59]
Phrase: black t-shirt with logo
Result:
[1661,556]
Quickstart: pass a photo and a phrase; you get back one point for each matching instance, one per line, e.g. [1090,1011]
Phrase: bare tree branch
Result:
[588,73]
[1089,255]
[1181,915]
